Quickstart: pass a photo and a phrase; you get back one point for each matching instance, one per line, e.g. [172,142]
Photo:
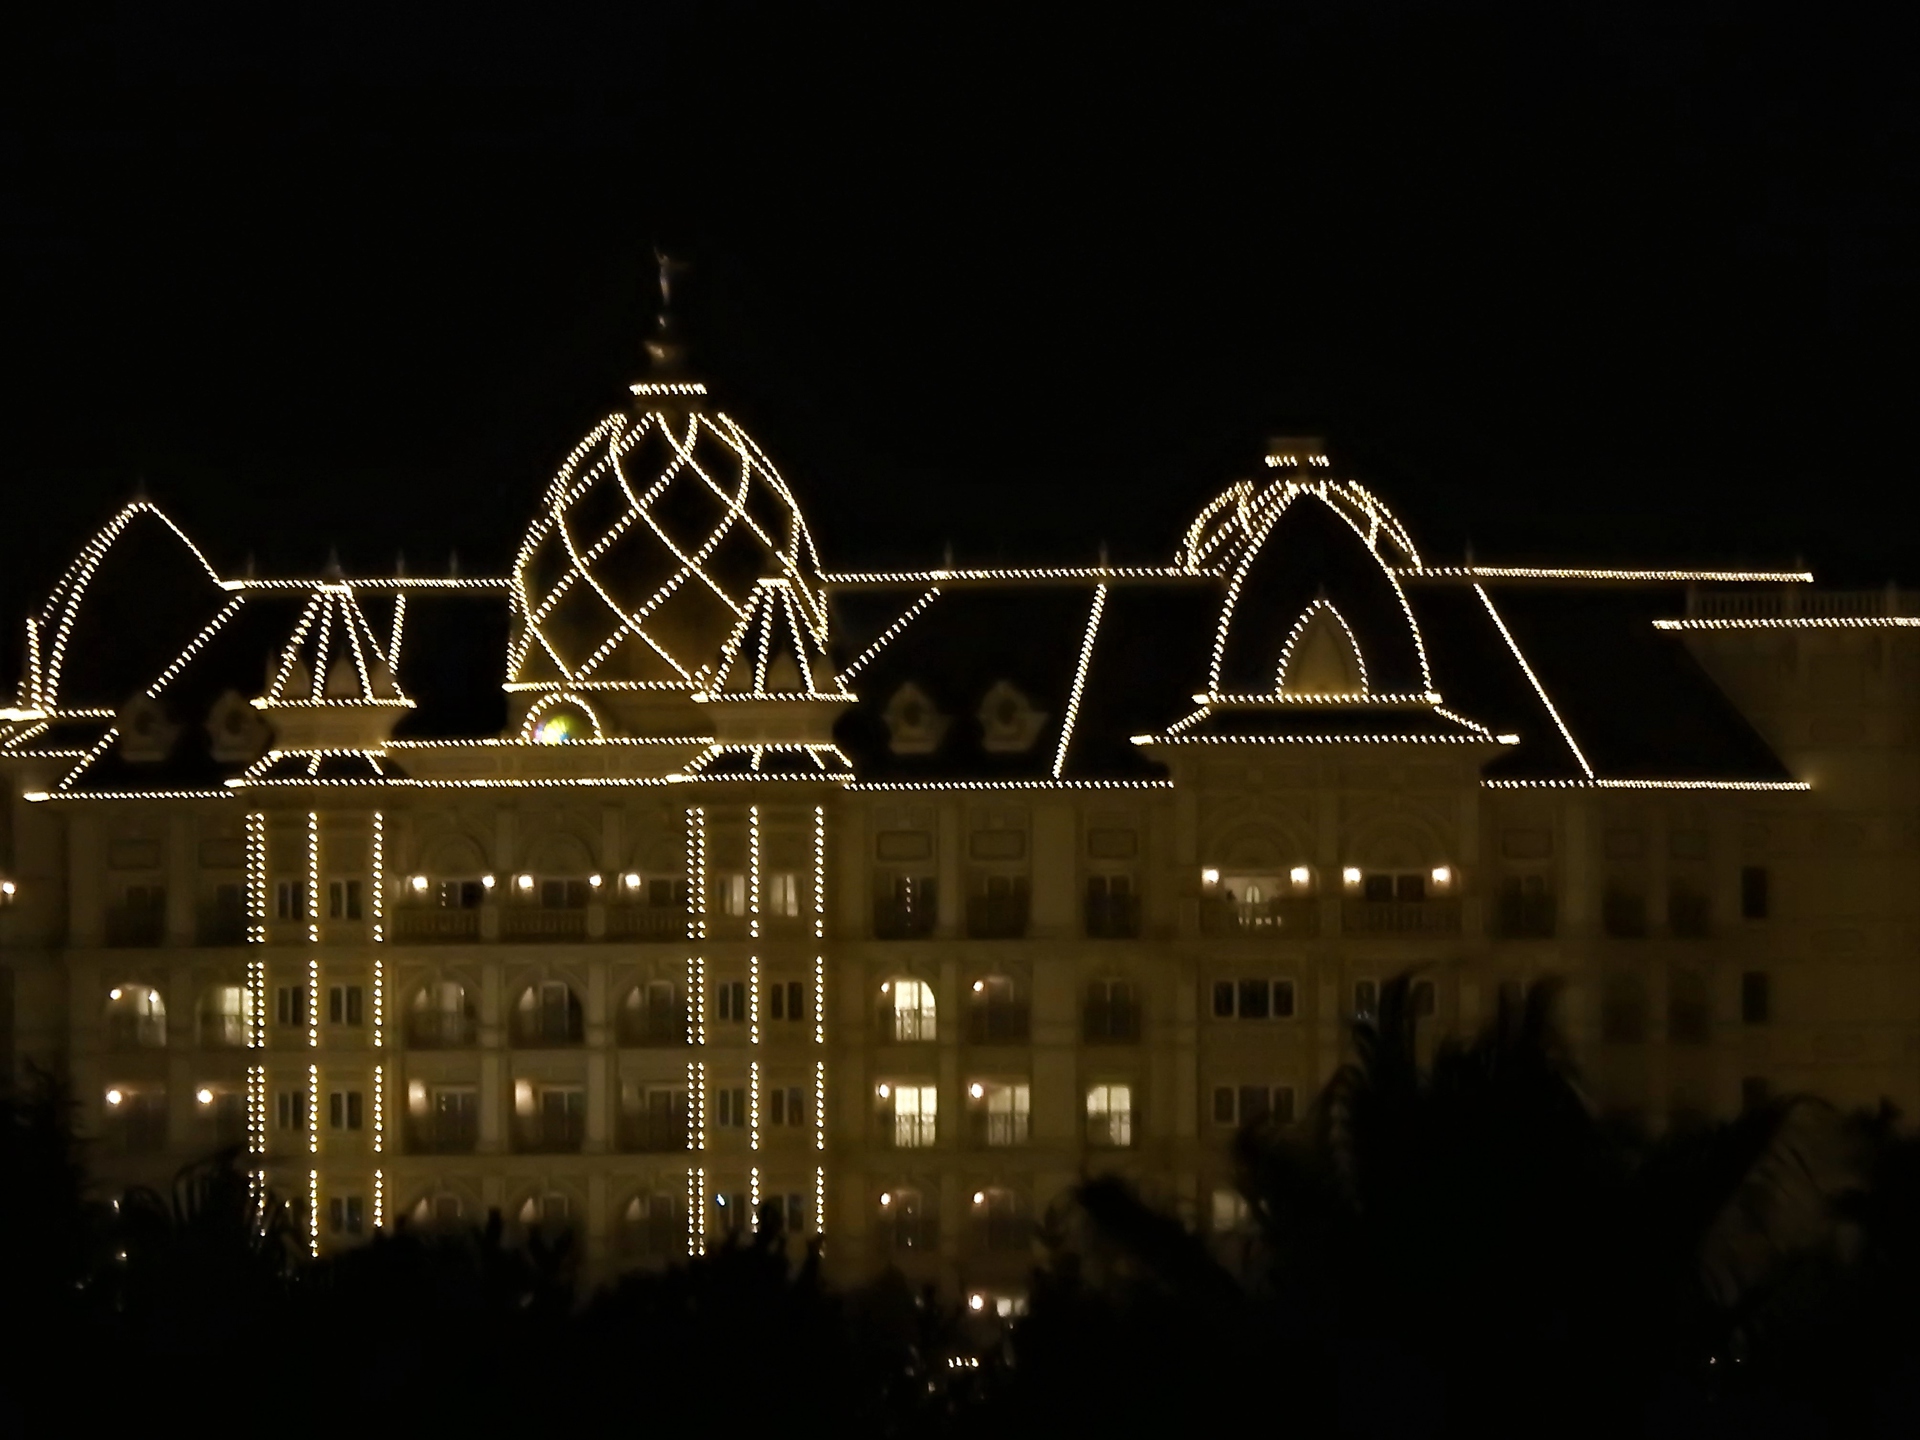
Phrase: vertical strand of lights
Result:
[257,1004]
[753,1011]
[820,1015]
[820,1200]
[313,1213]
[379,897]
[313,880]
[313,1149]
[696,1028]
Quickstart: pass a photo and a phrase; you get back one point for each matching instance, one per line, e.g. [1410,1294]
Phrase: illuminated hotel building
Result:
[670,873]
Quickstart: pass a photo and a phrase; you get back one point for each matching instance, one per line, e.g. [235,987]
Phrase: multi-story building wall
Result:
[671,875]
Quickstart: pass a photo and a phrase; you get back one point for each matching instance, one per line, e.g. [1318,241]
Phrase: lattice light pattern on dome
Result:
[333,658]
[608,457]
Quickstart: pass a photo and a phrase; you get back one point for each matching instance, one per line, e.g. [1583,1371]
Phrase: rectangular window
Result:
[1753,892]
[730,894]
[1756,998]
[731,996]
[290,900]
[786,1106]
[1252,1104]
[343,899]
[1004,1110]
[1254,999]
[786,1001]
[1283,999]
[903,845]
[346,1005]
[346,1110]
[290,1109]
[290,1005]
[459,894]
[1223,999]
[1110,1116]
[1225,1109]
[1230,1212]
[783,893]
[730,1107]
[916,1111]
[997,845]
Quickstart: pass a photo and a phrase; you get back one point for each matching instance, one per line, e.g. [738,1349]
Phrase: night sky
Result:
[1614,281]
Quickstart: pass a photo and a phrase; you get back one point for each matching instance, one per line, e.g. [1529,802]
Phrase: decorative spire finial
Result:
[665,349]
[331,570]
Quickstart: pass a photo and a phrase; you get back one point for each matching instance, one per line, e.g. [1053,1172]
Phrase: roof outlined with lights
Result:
[669,564]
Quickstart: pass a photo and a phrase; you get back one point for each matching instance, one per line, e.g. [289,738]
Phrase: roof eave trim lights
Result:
[667,387]
[1806,622]
[887,636]
[1536,572]
[898,785]
[1599,784]
[1427,701]
[1102,574]
[401,583]
[1481,739]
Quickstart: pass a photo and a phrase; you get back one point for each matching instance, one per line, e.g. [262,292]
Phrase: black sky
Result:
[1616,280]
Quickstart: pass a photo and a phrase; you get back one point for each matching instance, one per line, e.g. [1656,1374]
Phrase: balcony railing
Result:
[135,926]
[653,1029]
[649,1134]
[1400,917]
[440,1030]
[526,922]
[546,1031]
[1688,915]
[904,917]
[221,924]
[646,922]
[997,917]
[1113,917]
[1525,917]
[1111,1022]
[550,1135]
[1004,1024]
[443,1135]
[223,1032]
[422,925]
[1290,916]
[995,1131]
[137,1032]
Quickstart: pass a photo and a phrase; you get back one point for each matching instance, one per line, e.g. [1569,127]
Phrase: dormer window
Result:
[146,735]
[914,725]
[235,731]
[1008,722]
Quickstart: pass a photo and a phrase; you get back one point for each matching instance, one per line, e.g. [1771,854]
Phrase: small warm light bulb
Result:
[978,986]
[1209,877]
[1351,875]
[204,1096]
[886,986]
[6,887]
[633,881]
[114,994]
[885,1198]
[594,881]
[114,1097]
[419,883]
[976,1302]
[885,1091]
[979,1197]
[525,882]
[1300,875]
[976,1090]
[153,997]
[1442,875]
[487,881]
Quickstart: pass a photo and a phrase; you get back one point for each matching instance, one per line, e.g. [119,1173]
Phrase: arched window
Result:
[440,1017]
[560,721]
[136,1018]
[653,1013]
[226,1017]
[547,1214]
[997,1012]
[906,1010]
[907,1220]
[441,1210]
[548,1014]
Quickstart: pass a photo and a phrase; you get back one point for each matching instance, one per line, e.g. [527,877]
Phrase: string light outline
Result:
[1533,679]
[1079,678]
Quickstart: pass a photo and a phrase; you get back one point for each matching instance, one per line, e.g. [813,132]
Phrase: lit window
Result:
[1110,1116]
[915,1113]
[912,1010]
[783,893]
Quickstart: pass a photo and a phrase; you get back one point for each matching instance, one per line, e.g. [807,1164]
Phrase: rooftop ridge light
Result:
[400,583]
[1079,679]
[1606,784]
[1533,679]
[947,575]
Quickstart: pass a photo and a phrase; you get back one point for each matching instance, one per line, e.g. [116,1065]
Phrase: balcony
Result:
[136,1032]
[440,1030]
[1688,915]
[1525,917]
[1111,1022]
[1007,1233]
[994,1131]
[445,1134]
[1290,917]
[1400,917]
[652,1029]
[1623,915]
[906,912]
[1002,1024]
[420,925]
[136,926]
[527,922]
[1113,916]
[1001,915]
[223,1031]
[221,923]
[550,1134]
[653,1133]
[646,922]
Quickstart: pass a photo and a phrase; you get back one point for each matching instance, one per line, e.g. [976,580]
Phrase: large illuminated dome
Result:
[647,547]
